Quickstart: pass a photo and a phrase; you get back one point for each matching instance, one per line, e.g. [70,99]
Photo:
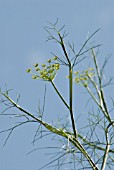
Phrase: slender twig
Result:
[64,49]
[20,108]
[12,129]
[60,95]
[91,144]
[53,161]
[103,101]
[96,87]
[97,102]
[105,157]
[84,46]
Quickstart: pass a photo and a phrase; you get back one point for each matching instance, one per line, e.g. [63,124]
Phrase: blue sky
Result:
[22,43]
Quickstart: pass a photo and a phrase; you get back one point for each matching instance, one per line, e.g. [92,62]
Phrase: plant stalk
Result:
[60,95]
[71,100]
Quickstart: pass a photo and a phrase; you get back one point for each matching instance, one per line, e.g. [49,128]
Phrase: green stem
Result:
[63,48]
[71,101]
[70,84]
[60,95]
[102,98]
[105,157]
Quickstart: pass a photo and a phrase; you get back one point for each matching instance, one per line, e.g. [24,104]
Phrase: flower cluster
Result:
[84,77]
[46,71]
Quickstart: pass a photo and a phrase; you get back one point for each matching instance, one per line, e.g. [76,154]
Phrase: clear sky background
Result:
[22,43]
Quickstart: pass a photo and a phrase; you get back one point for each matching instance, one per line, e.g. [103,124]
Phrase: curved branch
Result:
[105,157]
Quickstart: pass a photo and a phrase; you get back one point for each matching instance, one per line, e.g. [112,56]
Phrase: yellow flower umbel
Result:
[83,78]
[46,71]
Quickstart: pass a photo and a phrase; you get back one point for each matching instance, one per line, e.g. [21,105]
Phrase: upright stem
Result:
[71,100]
[70,84]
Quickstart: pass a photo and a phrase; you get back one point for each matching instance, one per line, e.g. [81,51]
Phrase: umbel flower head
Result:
[83,78]
[46,71]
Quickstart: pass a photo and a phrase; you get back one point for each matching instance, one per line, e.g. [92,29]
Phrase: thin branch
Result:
[103,102]
[12,129]
[92,144]
[52,161]
[63,48]
[97,102]
[84,45]
[105,157]
[60,95]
